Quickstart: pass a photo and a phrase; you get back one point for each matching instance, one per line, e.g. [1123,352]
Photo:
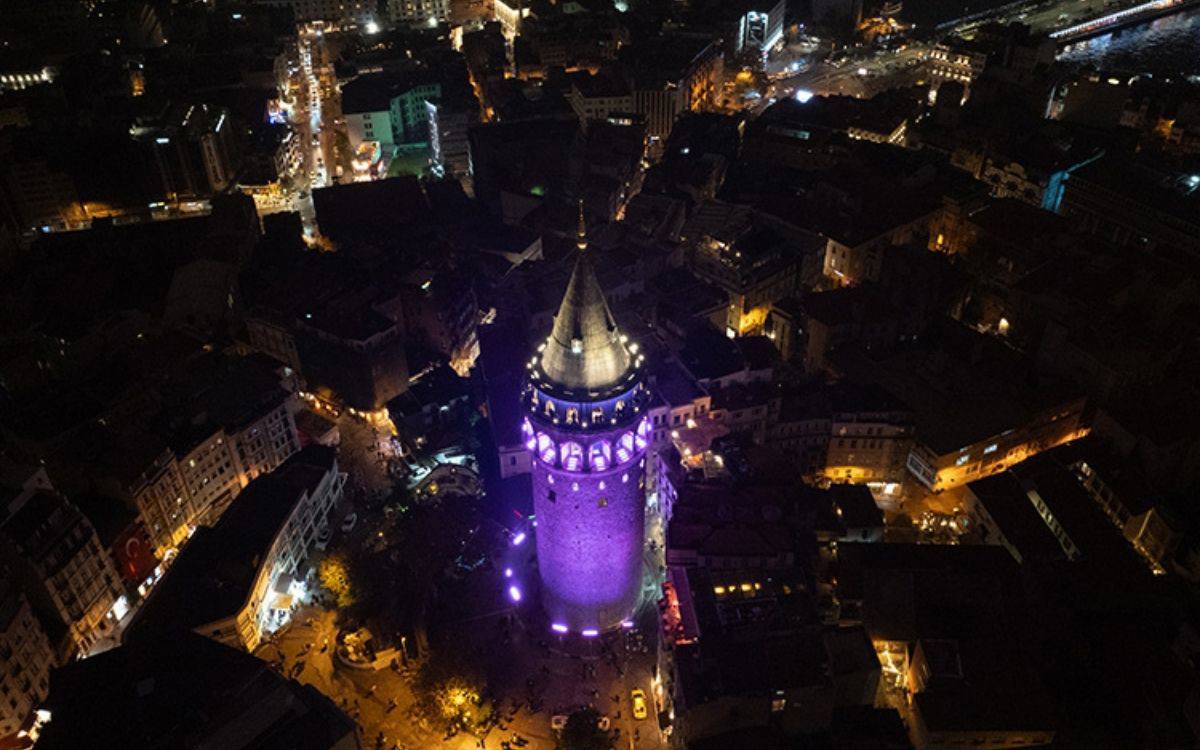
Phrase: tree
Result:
[334,573]
[450,690]
[583,732]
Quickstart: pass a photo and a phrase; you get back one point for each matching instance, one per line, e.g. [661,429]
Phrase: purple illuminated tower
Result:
[587,428]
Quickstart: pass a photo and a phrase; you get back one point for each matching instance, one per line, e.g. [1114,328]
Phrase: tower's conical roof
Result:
[584,350]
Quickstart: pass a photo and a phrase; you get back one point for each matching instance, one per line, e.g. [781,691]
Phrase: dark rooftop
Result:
[187,692]
[708,354]
[47,523]
[962,386]
[850,305]
[373,209]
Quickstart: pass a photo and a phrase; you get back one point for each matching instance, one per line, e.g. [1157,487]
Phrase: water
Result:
[1165,46]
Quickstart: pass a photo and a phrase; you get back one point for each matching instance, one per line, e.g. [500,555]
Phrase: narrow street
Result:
[316,120]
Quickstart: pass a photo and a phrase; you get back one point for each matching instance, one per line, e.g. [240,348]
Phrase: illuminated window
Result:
[545,448]
[527,434]
[600,455]
[625,447]
[571,455]
[643,428]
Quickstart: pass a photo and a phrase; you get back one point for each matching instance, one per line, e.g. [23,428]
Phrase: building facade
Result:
[449,121]
[26,657]
[55,553]
[759,29]
[416,12]
[178,491]
[192,152]
[588,430]
[946,469]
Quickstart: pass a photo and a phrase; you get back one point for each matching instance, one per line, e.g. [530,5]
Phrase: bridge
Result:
[1119,19]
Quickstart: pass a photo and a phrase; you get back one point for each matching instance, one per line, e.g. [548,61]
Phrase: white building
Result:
[240,579]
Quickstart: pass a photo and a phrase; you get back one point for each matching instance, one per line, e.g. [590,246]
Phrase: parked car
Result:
[324,534]
[638,696]
[349,522]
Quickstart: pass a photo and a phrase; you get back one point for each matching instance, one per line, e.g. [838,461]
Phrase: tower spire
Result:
[581,235]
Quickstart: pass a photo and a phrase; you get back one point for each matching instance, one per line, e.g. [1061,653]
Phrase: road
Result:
[317,121]
[862,75]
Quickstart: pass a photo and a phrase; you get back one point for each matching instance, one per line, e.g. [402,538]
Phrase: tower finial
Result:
[581,235]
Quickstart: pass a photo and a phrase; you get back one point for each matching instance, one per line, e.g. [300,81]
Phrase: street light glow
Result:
[589,633]
[514,593]
[508,572]
[804,96]
[518,539]
[558,627]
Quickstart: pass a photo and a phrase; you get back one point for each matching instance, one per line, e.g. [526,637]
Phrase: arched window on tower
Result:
[571,455]
[549,408]
[572,415]
[597,414]
[600,455]
[625,447]
[545,448]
